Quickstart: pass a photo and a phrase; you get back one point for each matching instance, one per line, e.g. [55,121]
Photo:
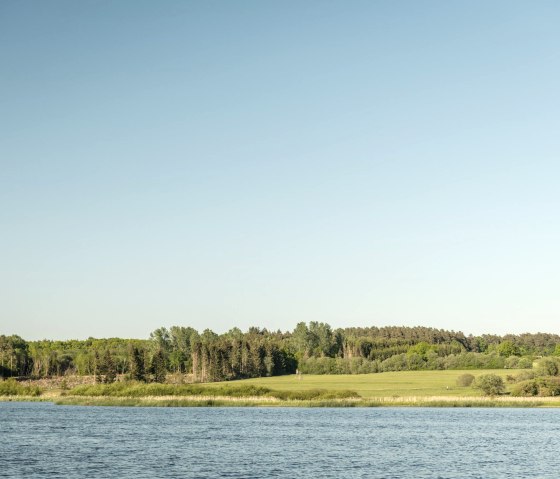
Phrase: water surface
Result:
[40,440]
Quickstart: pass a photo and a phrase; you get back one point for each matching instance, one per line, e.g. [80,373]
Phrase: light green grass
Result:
[402,383]
[406,388]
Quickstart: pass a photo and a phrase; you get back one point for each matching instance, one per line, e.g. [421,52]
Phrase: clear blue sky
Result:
[220,164]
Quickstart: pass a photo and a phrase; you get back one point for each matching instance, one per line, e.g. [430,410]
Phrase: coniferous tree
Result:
[137,369]
[158,369]
[109,368]
[96,367]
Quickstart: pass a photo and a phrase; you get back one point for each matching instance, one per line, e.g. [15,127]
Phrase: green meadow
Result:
[390,384]
[404,388]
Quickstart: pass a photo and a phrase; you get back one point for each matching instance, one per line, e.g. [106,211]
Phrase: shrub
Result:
[538,387]
[338,366]
[526,388]
[548,367]
[524,376]
[511,362]
[465,380]
[473,360]
[490,384]
[11,387]
[525,363]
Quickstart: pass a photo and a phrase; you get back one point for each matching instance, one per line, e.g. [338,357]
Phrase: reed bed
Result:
[25,399]
[200,391]
[270,401]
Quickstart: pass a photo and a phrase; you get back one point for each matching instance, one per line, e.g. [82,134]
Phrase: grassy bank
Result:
[418,384]
[223,390]
[407,388]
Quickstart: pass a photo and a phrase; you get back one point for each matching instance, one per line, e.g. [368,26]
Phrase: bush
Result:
[338,366]
[525,363]
[511,362]
[490,384]
[11,387]
[538,387]
[524,376]
[548,367]
[473,360]
[397,362]
[465,380]
[526,388]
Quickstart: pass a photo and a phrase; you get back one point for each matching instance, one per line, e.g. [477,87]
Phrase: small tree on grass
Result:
[490,384]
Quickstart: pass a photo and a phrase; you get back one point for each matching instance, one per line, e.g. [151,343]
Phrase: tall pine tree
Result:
[158,368]
[137,370]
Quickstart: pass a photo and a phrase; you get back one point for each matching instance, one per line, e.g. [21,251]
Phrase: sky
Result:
[221,164]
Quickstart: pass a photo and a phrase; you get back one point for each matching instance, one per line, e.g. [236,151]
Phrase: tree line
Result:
[312,348]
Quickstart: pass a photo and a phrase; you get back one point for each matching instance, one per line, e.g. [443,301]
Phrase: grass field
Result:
[406,388]
[402,383]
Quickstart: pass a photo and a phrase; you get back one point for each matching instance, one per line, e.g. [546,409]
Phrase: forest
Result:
[314,348]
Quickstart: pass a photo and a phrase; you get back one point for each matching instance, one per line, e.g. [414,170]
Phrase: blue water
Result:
[40,440]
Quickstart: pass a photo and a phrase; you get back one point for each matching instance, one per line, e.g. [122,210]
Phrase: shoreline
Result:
[259,401]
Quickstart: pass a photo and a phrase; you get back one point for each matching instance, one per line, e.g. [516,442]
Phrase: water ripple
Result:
[39,440]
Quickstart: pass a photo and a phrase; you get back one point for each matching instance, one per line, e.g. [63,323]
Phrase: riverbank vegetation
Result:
[404,388]
[313,348]
[211,401]
[140,390]
[10,387]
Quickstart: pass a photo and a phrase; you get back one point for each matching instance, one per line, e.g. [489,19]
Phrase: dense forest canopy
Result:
[309,348]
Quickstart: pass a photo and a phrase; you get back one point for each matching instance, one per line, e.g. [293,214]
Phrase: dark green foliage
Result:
[158,368]
[465,380]
[137,370]
[472,360]
[314,348]
[490,384]
[97,367]
[107,368]
[338,366]
[507,348]
[14,356]
[411,361]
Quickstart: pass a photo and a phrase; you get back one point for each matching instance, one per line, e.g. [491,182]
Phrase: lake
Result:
[41,440]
